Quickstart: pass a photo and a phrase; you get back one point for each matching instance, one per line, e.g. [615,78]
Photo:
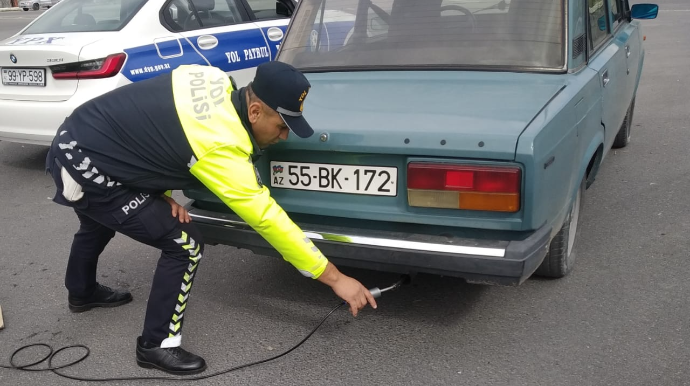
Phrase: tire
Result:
[623,136]
[560,258]
[26,9]
[36,7]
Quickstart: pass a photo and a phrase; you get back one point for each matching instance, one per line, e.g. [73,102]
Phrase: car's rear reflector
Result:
[92,69]
[464,187]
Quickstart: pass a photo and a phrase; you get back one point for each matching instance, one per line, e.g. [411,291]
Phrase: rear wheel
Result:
[36,7]
[624,134]
[560,258]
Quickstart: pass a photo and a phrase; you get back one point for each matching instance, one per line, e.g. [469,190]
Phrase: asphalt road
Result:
[621,318]
[11,22]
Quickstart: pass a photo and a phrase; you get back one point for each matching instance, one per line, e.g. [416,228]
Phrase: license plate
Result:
[369,180]
[24,77]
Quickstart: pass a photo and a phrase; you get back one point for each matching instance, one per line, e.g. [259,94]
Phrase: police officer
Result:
[116,159]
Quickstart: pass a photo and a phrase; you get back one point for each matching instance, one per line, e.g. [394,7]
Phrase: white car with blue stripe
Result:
[80,49]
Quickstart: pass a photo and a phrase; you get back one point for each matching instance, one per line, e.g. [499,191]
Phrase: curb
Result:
[10,9]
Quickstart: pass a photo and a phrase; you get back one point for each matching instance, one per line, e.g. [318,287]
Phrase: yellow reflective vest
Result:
[223,163]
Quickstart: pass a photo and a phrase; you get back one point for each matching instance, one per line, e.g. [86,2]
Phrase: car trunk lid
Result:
[454,114]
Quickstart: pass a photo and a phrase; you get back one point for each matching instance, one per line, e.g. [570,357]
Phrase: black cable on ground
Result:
[51,356]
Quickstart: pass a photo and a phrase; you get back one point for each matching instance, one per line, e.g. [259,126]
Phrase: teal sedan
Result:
[453,137]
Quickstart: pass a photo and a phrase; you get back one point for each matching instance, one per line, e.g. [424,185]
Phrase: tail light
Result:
[464,187]
[92,69]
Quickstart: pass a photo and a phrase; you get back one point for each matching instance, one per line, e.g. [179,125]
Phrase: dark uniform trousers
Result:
[145,218]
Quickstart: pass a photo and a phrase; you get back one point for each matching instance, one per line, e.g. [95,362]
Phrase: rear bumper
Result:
[32,122]
[37,122]
[478,261]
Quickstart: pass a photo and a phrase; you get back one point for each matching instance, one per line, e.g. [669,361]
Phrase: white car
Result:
[80,49]
[30,4]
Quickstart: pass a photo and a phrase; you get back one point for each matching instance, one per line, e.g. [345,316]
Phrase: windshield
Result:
[342,34]
[86,16]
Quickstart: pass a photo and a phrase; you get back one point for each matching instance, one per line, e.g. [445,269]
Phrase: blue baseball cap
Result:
[284,89]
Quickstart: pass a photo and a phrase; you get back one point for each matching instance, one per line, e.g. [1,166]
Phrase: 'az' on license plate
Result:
[370,180]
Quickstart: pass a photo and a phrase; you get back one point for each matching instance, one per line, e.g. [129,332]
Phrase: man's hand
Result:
[178,210]
[350,290]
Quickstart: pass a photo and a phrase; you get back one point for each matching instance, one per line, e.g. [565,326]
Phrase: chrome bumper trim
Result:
[374,241]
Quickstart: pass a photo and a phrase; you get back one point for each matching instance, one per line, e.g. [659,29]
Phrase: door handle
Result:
[605,78]
[207,42]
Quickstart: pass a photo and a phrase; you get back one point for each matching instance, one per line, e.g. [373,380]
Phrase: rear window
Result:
[86,16]
[350,34]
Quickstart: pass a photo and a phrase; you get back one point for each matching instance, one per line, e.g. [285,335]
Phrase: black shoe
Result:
[173,360]
[101,297]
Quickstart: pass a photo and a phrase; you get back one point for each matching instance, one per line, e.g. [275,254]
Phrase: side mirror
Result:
[282,9]
[376,24]
[644,11]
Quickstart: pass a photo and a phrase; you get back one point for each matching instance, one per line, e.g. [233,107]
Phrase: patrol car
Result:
[80,49]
